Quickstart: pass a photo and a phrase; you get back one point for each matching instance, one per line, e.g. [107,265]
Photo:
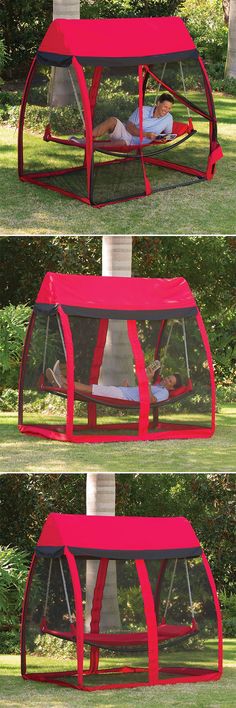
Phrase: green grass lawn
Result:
[23,453]
[207,207]
[15,692]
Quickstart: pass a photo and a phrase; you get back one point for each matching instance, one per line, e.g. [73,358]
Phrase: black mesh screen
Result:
[40,402]
[119,179]
[104,358]
[185,78]
[114,618]
[183,600]
[178,345]
[50,609]
[53,100]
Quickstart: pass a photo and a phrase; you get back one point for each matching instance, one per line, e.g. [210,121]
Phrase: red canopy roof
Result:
[118,533]
[138,38]
[116,294]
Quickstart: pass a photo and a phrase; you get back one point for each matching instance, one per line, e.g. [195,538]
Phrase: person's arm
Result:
[134,130]
[152,398]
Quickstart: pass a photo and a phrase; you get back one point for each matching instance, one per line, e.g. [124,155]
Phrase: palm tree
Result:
[101,489]
[230,67]
[63,94]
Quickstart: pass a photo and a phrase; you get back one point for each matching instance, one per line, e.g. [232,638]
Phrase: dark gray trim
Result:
[119,314]
[53,59]
[57,551]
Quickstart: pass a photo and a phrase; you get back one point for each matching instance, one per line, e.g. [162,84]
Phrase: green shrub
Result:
[13,573]
[13,323]
[206,25]
[228,605]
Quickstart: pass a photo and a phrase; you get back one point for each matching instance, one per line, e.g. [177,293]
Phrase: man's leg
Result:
[107,126]
[82,388]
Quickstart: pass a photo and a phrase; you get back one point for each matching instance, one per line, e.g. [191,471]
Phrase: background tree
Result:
[229,8]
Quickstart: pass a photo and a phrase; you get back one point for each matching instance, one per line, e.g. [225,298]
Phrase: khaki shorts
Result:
[107,391]
[120,132]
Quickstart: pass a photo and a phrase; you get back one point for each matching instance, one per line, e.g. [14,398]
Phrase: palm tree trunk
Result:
[63,94]
[117,360]
[230,67]
[100,496]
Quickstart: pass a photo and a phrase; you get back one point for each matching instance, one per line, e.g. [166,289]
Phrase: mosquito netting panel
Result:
[186,79]
[178,344]
[186,614]
[103,355]
[116,177]
[114,618]
[37,404]
[49,616]
[55,108]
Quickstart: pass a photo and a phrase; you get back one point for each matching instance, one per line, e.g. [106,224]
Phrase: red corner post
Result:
[142,378]
[150,616]
[148,188]
[211,369]
[22,117]
[88,120]
[70,371]
[79,613]
[218,613]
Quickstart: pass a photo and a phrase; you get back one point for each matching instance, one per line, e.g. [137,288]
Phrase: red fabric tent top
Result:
[119,533]
[117,38]
[96,292]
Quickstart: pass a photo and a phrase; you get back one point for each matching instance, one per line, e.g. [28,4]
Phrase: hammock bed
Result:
[147,319]
[103,75]
[159,570]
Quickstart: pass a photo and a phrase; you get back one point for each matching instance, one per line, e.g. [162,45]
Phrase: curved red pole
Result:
[79,613]
[218,613]
[23,615]
[88,120]
[142,378]
[22,367]
[150,616]
[211,369]
[70,371]
[22,117]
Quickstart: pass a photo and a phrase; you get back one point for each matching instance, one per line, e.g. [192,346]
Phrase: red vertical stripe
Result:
[211,370]
[70,371]
[150,616]
[218,612]
[87,117]
[96,365]
[79,614]
[141,376]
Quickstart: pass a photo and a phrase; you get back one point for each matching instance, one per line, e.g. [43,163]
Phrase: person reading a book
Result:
[158,391]
[157,121]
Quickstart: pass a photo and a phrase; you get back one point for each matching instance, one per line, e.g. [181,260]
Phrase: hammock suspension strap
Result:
[65,591]
[48,586]
[76,96]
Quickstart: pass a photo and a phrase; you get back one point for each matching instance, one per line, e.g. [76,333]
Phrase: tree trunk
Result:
[117,362]
[62,92]
[116,261]
[230,67]
[100,496]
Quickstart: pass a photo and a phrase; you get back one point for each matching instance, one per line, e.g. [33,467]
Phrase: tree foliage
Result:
[25,22]
[207,263]
[206,25]
[206,500]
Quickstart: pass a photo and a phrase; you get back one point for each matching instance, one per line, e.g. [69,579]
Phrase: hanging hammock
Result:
[175,394]
[181,131]
[106,640]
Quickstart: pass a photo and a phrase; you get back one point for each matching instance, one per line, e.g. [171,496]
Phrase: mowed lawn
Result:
[206,207]
[22,453]
[16,693]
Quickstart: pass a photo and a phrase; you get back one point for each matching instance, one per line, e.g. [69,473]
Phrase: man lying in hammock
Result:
[156,121]
[158,391]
